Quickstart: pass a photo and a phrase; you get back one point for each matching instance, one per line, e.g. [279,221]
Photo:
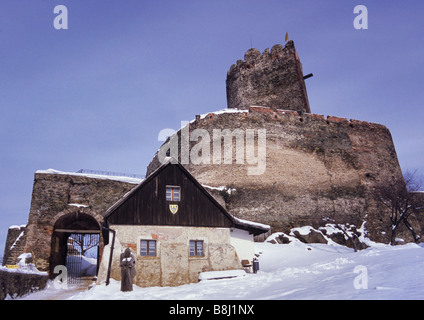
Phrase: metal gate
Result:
[82,256]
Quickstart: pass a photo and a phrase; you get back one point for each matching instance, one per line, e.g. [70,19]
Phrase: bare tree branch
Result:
[84,242]
[397,195]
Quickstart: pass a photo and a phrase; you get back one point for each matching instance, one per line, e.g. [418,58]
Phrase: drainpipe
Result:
[106,227]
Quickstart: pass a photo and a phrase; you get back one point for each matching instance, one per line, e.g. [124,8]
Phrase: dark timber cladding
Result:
[147,205]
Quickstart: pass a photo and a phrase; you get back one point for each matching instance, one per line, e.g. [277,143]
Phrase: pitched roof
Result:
[252,227]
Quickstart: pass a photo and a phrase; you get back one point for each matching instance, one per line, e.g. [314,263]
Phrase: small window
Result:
[172,193]
[148,248]
[196,248]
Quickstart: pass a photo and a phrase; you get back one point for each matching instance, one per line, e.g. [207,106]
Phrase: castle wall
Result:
[273,79]
[15,241]
[317,169]
[57,195]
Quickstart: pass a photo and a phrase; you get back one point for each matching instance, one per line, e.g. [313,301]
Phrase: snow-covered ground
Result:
[88,265]
[294,271]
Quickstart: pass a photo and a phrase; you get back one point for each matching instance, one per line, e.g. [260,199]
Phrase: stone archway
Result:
[64,230]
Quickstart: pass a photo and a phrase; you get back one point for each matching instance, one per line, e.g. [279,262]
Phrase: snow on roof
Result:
[94,176]
[252,224]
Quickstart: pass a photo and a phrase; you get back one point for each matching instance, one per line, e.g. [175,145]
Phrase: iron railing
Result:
[111,174]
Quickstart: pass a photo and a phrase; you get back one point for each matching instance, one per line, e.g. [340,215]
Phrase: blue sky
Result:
[96,95]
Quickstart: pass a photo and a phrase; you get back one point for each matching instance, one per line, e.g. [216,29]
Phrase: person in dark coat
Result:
[127,270]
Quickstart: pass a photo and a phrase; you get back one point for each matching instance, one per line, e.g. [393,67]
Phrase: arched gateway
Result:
[75,243]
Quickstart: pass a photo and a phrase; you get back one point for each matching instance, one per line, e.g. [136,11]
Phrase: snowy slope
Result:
[298,271]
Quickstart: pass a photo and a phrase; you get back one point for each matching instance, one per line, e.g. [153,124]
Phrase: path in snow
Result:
[51,293]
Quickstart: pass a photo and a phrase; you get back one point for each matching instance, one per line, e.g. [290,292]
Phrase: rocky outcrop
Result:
[345,235]
[311,237]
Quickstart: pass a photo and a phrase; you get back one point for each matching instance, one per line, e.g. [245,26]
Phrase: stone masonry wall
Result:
[15,241]
[317,169]
[57,195]
[16,284]
[273,79]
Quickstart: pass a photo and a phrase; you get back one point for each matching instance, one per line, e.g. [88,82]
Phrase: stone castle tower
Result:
[318,168]
[273,79]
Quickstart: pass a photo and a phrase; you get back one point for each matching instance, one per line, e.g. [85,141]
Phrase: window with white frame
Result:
[196,248]
[148,248]
[173,193]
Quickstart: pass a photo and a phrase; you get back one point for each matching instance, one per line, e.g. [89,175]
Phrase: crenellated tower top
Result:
[272,79]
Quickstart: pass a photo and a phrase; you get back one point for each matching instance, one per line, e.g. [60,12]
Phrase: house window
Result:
[196,248]
[172,193]
[148,248]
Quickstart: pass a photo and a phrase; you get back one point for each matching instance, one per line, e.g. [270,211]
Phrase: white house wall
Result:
[172,264]
[243,242]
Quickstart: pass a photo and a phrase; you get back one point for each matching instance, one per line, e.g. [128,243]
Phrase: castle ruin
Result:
[318,169]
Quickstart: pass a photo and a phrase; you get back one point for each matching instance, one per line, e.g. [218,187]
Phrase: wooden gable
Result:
[147,204]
